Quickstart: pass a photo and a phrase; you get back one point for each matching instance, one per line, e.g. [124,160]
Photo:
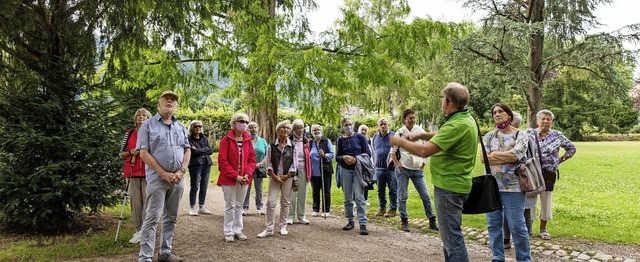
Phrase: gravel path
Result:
[200,238]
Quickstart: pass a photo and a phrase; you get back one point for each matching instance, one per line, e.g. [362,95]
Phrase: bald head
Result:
[456,94]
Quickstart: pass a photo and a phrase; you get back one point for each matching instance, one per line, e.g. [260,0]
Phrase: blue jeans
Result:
[417,177]
[513,207]
[257,183]
[199,180]
[449,208]
[387,177]
[350,187]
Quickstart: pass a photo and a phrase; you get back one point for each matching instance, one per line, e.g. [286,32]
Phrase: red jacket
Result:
[129,143]
[228,159]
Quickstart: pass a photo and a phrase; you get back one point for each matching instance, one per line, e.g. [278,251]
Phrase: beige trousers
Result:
[284,189]
[138,196]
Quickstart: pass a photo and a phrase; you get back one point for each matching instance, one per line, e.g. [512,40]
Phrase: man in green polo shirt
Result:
[453,152]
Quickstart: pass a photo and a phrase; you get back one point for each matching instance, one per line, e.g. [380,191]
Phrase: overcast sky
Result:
[613,17]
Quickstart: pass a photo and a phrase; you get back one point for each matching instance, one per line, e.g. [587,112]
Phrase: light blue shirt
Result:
[165,143]
[315,157]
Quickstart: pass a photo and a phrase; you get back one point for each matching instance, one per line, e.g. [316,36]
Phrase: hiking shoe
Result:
[405,224]
[283,231]
[241,237]
[349,226]
[304,221]
[193,211]
[315,214]
[363,230]
[289,221]
[229,238]
[135,238]
[390,213]
[432,224]
[380,212]
[169,257]
[265,233]
[204,211]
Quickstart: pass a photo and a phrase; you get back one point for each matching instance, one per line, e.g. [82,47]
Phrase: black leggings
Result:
[316,186]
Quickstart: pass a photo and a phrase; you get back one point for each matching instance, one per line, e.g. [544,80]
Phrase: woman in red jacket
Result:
[134,171]
[236,161]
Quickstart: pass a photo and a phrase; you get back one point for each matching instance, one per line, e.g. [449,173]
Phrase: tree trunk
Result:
[536,44]
[266,115]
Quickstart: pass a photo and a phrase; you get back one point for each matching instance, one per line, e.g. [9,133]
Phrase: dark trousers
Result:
[316,187]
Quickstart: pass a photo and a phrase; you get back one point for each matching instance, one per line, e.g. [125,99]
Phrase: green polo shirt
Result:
[452,168]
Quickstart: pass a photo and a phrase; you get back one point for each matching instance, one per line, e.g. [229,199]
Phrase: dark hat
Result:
[169,93]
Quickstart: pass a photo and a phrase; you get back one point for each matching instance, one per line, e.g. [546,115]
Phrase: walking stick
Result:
[323,200]
[124,201]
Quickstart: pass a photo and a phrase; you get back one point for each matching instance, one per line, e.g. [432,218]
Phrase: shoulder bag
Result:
[485,194]
[529,171]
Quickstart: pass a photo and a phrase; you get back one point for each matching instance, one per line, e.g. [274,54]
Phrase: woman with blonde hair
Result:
[237,161]
[199,168]
[134,170]
[281,169]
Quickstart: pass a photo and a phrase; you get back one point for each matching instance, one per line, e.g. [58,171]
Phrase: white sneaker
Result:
[193,211]
[367,203]
[325,215]
[315,214]
[304,221]
[265,233]
[241,237]
[229,238]
[135,238]
[244,212]
[289,221]
[203,210]
[260,212]
[283,231]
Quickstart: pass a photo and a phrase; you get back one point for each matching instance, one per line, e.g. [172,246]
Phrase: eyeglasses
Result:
[197,126]
[242,121]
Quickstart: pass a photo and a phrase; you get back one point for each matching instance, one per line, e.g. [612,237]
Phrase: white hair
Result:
[545,112]
[235,117]
[297,122]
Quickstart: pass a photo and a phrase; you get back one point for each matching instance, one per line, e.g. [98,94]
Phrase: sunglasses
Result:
[242,121]
[197,126]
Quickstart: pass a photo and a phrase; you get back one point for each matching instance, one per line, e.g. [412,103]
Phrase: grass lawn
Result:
[596,198]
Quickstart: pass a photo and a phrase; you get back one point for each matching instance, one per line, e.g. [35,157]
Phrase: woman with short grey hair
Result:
[550,143]
[303,174]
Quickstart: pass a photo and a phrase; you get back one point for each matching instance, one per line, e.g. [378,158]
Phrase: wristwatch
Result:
[183,170]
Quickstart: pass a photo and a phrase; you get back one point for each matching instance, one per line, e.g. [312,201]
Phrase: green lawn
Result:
[596,198]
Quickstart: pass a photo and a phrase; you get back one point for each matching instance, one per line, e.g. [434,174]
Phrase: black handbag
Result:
[260,172]
[485,193]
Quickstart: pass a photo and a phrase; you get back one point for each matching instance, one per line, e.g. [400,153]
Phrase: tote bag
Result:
[485,194]
[530,172]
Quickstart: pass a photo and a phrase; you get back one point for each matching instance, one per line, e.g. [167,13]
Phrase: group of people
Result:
[158,150]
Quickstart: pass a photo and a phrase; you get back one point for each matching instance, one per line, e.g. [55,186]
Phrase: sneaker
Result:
[283,231]
[203,210]
[325,215]
[229,238]
[315,214]
[304,221]
[380,212]
[366,202]
[244,212]
[260,212]
[193,211]
[289,221]
[265,233]
[135,238]
[169,257]
[241,237]
[349,226]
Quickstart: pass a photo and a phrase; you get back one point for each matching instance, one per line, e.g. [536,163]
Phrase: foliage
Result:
[556,34]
